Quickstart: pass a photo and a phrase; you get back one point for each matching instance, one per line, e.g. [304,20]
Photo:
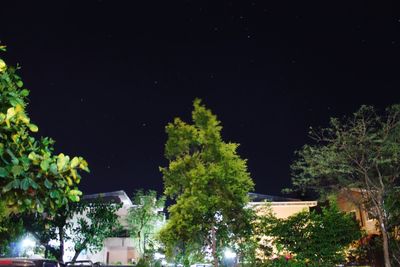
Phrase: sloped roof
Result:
[255,197]
[113,197]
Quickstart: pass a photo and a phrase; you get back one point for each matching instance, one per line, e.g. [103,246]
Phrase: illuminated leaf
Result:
[25,92]
[74,162]
[20,83]
[3,65]
[33,127]
[44,165]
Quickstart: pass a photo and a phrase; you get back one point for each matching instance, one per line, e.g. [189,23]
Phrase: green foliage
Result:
[209,183]
[144,219]
[317,238]
[392,206]
[143,263]
[362,152]
[11,228]
[263,222]
[32,178]
[97,220]
[283,262]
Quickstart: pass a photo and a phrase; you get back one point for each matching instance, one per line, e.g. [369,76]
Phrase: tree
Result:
[361,151]
[319,238]
[45,228]
[144,219]
[392,206]
[96,221]
[86,223]
[32,178]
[209,183]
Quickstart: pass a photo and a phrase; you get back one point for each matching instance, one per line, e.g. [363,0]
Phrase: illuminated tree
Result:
[209,183]
[144,219]
[362,152]
[32,177]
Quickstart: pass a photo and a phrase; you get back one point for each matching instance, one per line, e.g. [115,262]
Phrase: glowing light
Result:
[28,243]
[158,256]
[229,254]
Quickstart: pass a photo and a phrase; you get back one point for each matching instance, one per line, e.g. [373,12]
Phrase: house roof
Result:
[255,197]
[115,197]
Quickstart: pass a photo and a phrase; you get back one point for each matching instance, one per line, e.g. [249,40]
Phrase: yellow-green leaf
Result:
[74,162]
[3,65]
[33,127]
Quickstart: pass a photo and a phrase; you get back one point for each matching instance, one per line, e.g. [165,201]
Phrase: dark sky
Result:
[107,76]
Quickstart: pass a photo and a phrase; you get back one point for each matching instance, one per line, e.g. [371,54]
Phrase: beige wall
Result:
[351,201]
[283,210]
[120,250]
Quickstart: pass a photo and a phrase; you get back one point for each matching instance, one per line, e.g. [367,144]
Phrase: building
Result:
[121,250]
[281,207]
[351,201]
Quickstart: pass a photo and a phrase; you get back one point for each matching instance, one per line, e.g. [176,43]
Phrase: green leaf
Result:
[3,172]
[25,92]
[53,168]
[44,165]
[3,65]
[54,194]
[14,101]
[27,201]
[25,184]
[74,198]
[48,184]
[62,161]
[17,170]
[39,207]
[32,156]
[75,192]
[20,83]
[74,162]
[33,127]
[8,187]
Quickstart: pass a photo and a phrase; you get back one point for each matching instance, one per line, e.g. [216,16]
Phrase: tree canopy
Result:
[144,219]
[359,152]
[209,183]
[32,177]
[317,238]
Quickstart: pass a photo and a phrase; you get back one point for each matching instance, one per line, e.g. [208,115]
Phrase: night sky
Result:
[107,76]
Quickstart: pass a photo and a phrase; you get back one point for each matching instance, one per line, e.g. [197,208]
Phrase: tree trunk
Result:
[77,252]
[385,238]
[46,251]
[214,246]
[61,236]
[385,244]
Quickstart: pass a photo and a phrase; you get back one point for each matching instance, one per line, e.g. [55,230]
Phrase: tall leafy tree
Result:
[144,219]
[32,177]
[209,183]
[361,151]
